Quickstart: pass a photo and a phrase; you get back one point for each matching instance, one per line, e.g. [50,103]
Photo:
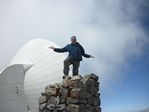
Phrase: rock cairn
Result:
[73,94]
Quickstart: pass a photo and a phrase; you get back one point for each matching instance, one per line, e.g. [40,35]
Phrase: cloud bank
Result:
[110,30]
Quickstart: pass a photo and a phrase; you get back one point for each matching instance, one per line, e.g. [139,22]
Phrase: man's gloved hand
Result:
[51,47]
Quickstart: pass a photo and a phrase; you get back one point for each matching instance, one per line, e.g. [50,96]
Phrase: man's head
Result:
[73,39]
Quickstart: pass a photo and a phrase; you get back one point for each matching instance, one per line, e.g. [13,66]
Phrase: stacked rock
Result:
[73,94]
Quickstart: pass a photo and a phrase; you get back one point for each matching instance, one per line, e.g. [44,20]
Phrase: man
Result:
[76,52]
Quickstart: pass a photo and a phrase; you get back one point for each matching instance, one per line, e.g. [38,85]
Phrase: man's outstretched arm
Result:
[86,55]
[60,50]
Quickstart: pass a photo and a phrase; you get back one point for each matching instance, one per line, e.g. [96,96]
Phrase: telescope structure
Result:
[31,69]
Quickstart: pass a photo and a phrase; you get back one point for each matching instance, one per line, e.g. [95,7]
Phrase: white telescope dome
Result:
[42,66]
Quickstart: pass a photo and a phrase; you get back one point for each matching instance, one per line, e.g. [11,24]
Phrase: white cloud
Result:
[107,29]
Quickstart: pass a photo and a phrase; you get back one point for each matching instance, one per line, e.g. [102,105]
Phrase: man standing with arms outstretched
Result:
[76,51]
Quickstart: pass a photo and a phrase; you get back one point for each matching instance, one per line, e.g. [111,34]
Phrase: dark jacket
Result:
[76,51]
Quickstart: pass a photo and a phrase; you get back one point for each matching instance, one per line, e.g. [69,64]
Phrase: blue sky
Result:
[115,32]
[133,92]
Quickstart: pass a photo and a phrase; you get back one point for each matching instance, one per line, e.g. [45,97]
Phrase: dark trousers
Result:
[67,62]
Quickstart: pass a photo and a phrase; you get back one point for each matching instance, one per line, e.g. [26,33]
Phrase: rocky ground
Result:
[73,94]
